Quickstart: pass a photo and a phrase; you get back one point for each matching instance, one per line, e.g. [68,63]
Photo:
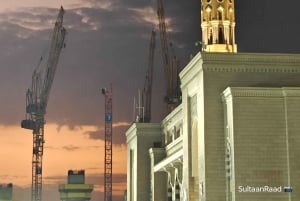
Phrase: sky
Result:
[107,43]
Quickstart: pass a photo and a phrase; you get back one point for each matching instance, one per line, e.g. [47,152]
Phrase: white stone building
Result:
[236,134]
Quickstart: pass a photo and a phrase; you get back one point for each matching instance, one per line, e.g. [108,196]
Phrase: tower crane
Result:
[172,97]
[147,91]
[108,145]
[36,103]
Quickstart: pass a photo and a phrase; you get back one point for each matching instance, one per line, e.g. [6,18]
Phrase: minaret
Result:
[218,23]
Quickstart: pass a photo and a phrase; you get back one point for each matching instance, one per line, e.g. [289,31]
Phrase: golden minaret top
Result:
[218,24]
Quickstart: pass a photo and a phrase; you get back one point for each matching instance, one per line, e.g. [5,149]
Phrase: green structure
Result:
[76,189]
[6,192]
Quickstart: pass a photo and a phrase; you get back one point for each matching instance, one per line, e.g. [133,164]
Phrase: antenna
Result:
[138,109]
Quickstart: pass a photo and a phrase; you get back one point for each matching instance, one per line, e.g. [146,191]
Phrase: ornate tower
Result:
[218,23]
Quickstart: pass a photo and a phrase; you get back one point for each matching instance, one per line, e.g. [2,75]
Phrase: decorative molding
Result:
[261,92]
[168,161]
[142,129]
[240,63]
[291,91]
[252,57]
[251,62]
[173,118]
[157,151]
[196,60]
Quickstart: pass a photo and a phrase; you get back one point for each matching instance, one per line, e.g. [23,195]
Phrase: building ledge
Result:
[169,161]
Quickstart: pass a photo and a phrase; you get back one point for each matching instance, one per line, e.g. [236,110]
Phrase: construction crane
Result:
[108,145]
[147,91]
[172,97]
[36,103]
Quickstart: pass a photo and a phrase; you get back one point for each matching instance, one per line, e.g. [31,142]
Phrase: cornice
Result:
[291,91]
[168,161]
[174,116]
[191,70]
[261,92]
[157,151]
[139,129]
[251,62]
[194,61]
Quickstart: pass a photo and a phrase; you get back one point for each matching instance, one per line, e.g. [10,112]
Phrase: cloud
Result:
[105,44]
[119,129]
[121,124]
[101,4]
[146,14]
[54,180]
[7,177]
[25,23]
[70,148]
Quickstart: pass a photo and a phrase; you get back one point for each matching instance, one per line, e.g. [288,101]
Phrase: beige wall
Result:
[259,132]
[211,74]
[261,122]
[140,138]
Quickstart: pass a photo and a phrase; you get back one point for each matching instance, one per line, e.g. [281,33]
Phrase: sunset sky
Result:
[107,42]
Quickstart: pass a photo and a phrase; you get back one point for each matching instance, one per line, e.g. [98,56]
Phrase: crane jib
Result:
[36,102]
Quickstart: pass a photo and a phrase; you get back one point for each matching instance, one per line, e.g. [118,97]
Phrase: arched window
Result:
[220,13]
[221,36]
[210,36]
[208,10]
[230,13]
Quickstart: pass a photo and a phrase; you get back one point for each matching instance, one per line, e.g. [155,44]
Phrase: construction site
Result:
[37,96]
[208,126]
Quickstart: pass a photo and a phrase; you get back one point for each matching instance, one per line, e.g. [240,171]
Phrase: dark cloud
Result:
[108,43]
[118,133]
[104,45]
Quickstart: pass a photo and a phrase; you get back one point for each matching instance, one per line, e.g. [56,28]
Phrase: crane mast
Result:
[147,92]
[170,65]
[108,145]
[36,103]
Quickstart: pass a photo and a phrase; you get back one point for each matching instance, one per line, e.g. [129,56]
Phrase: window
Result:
[177,132]
[220,13]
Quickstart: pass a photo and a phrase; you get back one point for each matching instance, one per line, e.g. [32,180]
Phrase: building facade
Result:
[234,137]
[6,192]
[236,129]
[76,189]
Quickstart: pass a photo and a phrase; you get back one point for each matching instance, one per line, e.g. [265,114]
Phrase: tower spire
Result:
[218,24]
